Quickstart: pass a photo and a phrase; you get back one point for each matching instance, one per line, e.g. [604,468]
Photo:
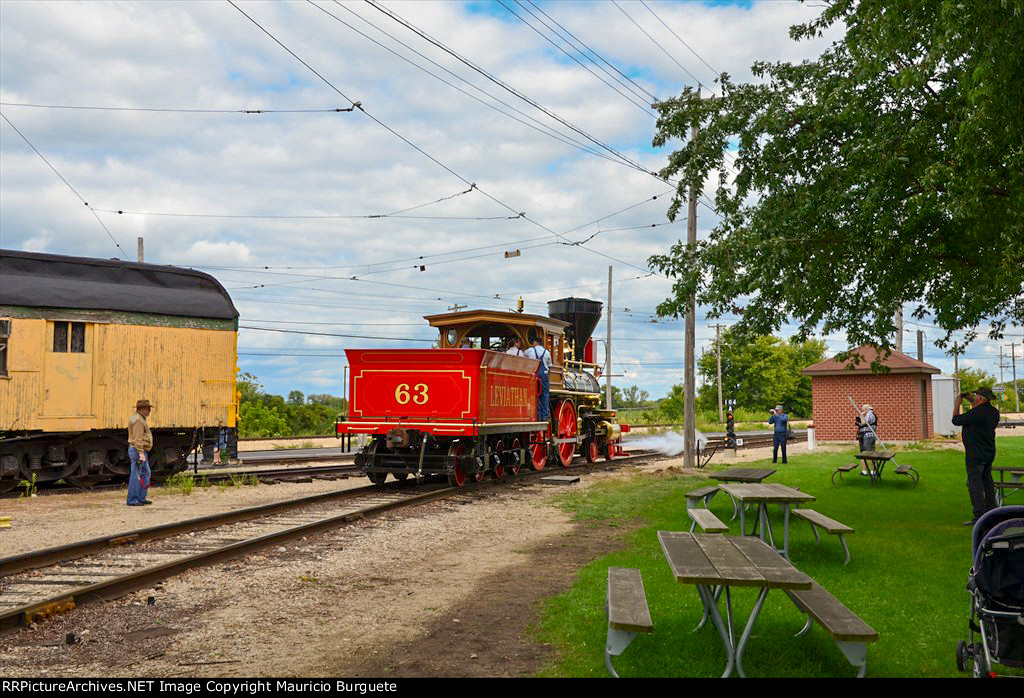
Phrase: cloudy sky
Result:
[469,115]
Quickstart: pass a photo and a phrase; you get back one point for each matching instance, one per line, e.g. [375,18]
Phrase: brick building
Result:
[902,398]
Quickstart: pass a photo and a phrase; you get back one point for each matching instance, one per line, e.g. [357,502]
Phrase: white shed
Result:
[943,392]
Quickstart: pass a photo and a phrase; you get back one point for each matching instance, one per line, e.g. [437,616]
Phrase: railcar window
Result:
[78,337]
[60,336]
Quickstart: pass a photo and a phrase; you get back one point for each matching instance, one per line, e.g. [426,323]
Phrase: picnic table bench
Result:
[702,493]
[628,614]
[842,469]
[830,526]
[706,520]
[850,633]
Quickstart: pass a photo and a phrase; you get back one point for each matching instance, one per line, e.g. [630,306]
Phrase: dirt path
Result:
[449,589]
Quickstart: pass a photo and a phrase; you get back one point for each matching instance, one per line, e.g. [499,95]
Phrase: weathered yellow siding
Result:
[20,391]
[187,373]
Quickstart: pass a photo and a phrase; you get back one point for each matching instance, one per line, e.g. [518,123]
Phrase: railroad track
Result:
[39,584]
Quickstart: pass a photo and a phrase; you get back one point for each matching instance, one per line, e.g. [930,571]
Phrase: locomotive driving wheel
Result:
[514,463]
[370,456]
[499,465]
[456,474]
[566,429]
[538,441]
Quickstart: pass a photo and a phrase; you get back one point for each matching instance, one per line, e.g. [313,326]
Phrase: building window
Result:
[65,331]
[5,334]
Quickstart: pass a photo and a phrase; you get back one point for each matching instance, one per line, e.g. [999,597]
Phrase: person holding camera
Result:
[978,432]
[867,432]
[781,421]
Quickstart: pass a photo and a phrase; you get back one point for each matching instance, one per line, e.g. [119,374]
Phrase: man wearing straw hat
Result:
[978,431]
[140,443]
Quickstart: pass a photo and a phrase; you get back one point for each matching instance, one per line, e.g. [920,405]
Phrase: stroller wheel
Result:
[961,656]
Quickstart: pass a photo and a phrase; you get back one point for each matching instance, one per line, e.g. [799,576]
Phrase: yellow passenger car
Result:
[81,340]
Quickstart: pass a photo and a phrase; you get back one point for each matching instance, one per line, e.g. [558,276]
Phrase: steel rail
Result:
[24,615]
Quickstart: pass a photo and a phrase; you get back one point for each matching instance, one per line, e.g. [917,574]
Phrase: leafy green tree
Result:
[889,170]
[296,397]
[973,378]
[760,373]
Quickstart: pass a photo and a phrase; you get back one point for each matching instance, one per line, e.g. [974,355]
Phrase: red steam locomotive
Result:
[466,408]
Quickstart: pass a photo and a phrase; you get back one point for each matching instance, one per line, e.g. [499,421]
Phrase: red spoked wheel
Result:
[610,450]
[566,429]
[538,449]
[499,467]
[590,450]
[514,464]
[456,475]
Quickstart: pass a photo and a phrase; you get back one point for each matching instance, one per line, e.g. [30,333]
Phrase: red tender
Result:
[443,391]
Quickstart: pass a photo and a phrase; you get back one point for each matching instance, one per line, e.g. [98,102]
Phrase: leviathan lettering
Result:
[509,396]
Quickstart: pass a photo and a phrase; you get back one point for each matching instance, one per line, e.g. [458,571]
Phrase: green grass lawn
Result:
[910,561]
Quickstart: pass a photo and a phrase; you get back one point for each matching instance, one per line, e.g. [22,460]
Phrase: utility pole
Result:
[689,387]
[1013,366]
[456,308]
[1000,364]
[899,328]
[956,366]
[141,255]
[608,348]
[920,345]
[718,347]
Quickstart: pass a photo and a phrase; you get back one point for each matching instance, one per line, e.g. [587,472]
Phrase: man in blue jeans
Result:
[781,421]
[537,351]
[140,443]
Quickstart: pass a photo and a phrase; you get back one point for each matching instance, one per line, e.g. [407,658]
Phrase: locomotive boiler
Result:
[466,409]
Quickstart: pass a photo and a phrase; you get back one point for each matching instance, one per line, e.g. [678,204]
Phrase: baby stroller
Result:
[996,585]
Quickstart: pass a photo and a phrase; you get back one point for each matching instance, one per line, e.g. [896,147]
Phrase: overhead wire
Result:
[540,126]
[398,135]
[595,53]
[645,108]
[67,183]
[178,110]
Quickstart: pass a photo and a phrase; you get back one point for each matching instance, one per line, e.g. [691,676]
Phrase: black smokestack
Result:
[582,315]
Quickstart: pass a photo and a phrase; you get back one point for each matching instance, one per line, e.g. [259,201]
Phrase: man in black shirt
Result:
[979,437]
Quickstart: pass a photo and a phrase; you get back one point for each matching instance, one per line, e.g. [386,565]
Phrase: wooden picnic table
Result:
[1016,475]
[879,459]
[764,494]
[714,563]
[743,474]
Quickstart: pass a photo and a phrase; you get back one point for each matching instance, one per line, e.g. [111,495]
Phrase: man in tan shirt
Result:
[140,443]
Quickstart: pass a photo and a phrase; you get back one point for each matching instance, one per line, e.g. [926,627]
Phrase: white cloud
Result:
[207,55]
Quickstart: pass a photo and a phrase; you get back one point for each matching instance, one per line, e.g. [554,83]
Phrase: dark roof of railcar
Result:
[38,280]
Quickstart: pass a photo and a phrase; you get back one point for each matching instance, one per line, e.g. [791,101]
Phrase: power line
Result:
[177,111]
[359,106]
[655,42]
[645,108]
[540,126]
[497,81]
[595,53]
[67,183]
[330,334]
[716,73]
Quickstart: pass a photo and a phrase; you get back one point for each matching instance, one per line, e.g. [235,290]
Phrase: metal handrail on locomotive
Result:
[468,409]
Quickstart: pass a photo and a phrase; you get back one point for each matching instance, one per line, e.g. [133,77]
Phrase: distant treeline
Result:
[263,414]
